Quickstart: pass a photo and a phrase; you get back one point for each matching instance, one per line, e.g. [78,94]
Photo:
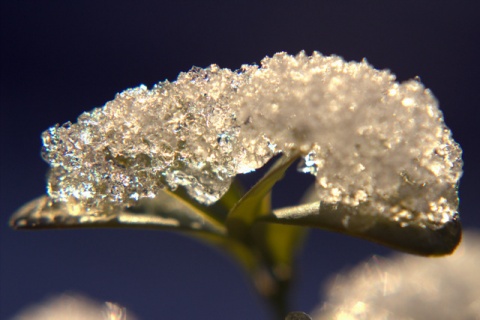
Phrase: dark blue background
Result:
[60,58]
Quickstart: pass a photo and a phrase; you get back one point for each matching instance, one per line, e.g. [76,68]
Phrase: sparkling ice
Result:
[371,142]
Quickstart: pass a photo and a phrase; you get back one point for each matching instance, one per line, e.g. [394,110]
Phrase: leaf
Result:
[273,245]
[279,244]
[171,211]
[233,195]
[256,201]
[411,237]
[298,315]
[167,211]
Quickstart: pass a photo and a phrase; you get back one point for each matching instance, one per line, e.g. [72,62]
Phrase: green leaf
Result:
[278,244]
[170,211]
[409,237]
[229,199]
[298,315]
[273,245]
[256,202]
[167,211]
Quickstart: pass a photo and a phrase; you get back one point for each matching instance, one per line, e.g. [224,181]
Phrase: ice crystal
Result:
[183,133]
[370,141]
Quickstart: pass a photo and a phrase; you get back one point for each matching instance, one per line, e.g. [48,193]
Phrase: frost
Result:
[370,141]
[177,134]
[409,287]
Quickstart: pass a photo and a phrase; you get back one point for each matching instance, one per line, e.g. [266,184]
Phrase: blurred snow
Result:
[409,287]
[73,307]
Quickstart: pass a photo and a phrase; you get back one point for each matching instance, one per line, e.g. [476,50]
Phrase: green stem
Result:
[274,292]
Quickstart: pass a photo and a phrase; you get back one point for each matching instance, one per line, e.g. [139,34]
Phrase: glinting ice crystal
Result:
[371,142]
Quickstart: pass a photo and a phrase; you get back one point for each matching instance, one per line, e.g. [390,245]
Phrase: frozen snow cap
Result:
[370,141]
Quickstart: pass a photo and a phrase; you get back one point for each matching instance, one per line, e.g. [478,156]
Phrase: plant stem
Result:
[274,292]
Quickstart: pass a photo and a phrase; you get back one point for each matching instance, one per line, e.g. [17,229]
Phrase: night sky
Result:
[60,58]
